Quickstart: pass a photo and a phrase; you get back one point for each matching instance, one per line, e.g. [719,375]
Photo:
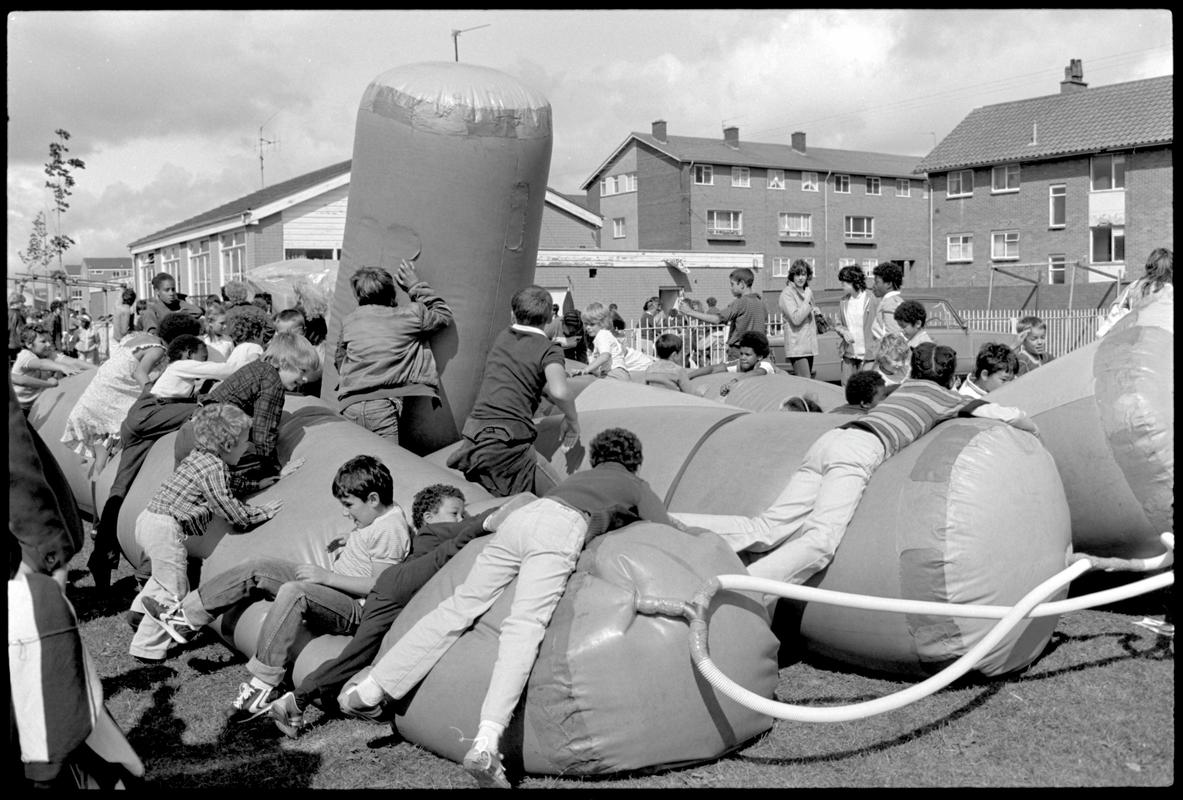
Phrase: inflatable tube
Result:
[450,163]
[611,691]
[1106,412]
[767,392]
[972,512]
[48,416]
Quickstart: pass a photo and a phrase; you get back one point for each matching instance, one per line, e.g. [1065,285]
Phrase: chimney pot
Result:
[1073,77]
[659,130]
[799,141]
[731,136]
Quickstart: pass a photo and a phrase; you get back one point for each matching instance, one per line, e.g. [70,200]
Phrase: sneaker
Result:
[172,619]
[287,716]
[353,706]
[252,702]
[485,766]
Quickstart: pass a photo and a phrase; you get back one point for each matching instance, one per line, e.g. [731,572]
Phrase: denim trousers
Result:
[162,541]
[297,604]
[538,544]
[802,528]
[379,415]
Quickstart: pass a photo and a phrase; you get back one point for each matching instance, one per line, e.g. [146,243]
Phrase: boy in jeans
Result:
[305,595]
[745,313]
[497,450]
[383,355]
[182,507]
[538,544]
[441,531]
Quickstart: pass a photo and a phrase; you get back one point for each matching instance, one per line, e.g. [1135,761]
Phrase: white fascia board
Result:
[629,259]
[574,209]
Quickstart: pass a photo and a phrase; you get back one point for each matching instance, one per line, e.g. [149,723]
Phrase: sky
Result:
[167,108]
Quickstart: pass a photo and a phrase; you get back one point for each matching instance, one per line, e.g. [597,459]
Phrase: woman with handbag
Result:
[802,319]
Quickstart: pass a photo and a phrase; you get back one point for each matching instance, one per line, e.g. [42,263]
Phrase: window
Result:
[780,266]
[860,227]
[809,181]
[1108,244]
[847,262]
[741,177]
[1056,268]
[618,184]
[317,254]
[170,261]
[199,267]
[1004,245]
[776,179]
[959,247]
[873,186]
[233,256]
[869,264]
[961,183]
[704,174]
[1057,205]
[1108,173]
[1004,178]
[724,223]
[903,187]
[618,228]
[842,184]
[796,226]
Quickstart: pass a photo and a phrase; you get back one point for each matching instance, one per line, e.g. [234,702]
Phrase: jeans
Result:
[163,543]
[379,415]
[539,545]
[501,465]
[802,528]
[296,604]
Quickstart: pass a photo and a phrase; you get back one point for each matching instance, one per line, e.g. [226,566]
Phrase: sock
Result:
[490,732]
[369,692]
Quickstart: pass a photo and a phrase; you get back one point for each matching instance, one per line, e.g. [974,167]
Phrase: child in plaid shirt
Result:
[182,507]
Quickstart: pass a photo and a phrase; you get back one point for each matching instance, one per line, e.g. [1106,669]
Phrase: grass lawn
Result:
[1097,709]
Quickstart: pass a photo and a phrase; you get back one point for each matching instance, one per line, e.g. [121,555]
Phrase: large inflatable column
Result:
[450,163]
[1106,411]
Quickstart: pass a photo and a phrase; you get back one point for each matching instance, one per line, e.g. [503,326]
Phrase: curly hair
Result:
[800,267]
[1160,270]
[428,499]
[177,323]
[218,426]
[911,312]
[249,323]
[234,292]
[893,353]
[889,273]
[755,340]
[934,362]
[994,357]
[618,445]
[855,277]
[184,346]
[361,475]
[861,387]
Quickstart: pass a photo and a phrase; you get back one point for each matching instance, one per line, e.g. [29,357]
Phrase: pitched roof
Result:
[1104,118]
[235,208]
[106,263]
[702,150]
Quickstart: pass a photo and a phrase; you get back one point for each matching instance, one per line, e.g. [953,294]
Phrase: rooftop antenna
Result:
[262,143]
[456,37]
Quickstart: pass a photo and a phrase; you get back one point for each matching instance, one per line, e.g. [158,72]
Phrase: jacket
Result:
[845,348]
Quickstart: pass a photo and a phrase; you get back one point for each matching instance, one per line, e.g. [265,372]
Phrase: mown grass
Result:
[1097,709]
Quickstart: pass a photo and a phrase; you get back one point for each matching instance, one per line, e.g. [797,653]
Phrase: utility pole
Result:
[456,38]
[262,143]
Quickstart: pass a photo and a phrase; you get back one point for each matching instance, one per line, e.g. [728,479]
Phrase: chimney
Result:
[731,137]
[799,141]
[659,130]
[1073,77]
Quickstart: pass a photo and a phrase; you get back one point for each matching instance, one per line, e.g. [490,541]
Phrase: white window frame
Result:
[847,262]
[1004,245]
[1004,179]
[903,187]
[776,179]
[841,184]
[1057,191]
[802,229]
[199,268]
[809,181]
[959,248]
[962,191]
[232,256]
[724,222]
[868,264]
[618,184]
[704,174]
[741,178]
[1057,267]
[618,228]
[874,185]
[1114,159]
[1116,232]
[780,266]
[849,231]
[170,261]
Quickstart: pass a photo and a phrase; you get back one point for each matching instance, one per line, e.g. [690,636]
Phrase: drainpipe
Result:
[826,218]
[930,228]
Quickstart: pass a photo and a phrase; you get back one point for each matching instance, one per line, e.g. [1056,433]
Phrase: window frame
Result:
[1052,196]
[621,183]
[619,230]
[848,232]
[785,230]
[840,180]
[905,184]
[1116,232]
[1007,188]
[809,184]
[878,184]
[741,177]
[965,247]
[962,192]
[706,171]
[713,229]
[1057,266]
[200,267]
[1114,160]
[778,262]
[229,253]
[776,180]
[1008,236]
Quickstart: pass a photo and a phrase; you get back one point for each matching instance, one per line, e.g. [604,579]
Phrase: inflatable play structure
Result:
[660,654]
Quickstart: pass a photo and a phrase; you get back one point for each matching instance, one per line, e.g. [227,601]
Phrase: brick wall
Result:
[662,203]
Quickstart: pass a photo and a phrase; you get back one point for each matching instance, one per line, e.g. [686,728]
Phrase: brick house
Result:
[1024,191]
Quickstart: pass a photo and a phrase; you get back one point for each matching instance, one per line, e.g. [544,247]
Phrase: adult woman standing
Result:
[798,310]
[856,315]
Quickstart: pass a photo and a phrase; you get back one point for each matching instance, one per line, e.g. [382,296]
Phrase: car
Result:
[944,325]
